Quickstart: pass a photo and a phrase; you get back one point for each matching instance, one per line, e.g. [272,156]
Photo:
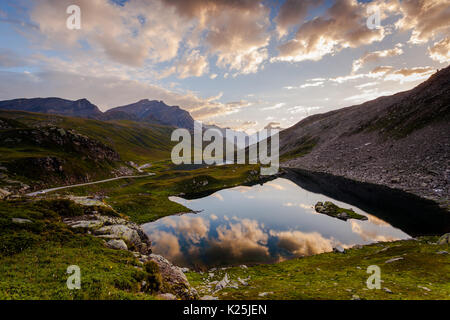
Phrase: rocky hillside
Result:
[156,112]
[35,157]
[401,141]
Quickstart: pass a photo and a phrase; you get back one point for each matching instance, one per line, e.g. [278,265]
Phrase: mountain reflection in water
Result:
[259,224]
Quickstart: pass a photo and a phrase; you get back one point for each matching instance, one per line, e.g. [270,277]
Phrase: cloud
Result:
[368,94]
[11,59]
[312,84]
[128,34]
[192,65]
[302,244]
[302,109]
[292,13]
[365,85]
[166,244]
[376,55]
[342,26]
[440,51]
[388,73]
[274,107]
[235,31]
[191,228]
[370,235]
[244,240]
[410,74]
[426,18]
[138,32]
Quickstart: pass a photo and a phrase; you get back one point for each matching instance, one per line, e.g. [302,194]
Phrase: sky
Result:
[243,64]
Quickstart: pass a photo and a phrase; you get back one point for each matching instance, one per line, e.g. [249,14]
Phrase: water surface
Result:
[260,224]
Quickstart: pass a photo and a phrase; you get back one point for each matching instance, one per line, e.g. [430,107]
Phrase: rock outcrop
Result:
[121,234]
[117,232]
[174,277]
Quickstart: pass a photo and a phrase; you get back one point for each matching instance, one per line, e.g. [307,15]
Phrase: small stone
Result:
[355,297]
[387,290]
[445,239]
[339,249]
[264,294]
[21,221]
[167,296]
[442,252]
[209,298]
[394,259]
[243,282]
[424,288]
[222,283]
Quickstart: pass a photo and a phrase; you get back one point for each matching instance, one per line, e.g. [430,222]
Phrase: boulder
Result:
[120,231]
[117,244]
[174,277]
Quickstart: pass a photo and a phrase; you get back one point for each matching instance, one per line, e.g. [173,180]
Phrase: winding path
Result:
[33,194]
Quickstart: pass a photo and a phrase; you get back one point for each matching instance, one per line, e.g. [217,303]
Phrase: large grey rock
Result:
[120,231]
[117,244]
[174,277]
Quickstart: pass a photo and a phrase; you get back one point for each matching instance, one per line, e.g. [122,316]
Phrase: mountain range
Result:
[152,112]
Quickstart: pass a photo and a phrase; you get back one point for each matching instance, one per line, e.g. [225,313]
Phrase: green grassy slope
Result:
[138,142]
[420,273]
[34,256]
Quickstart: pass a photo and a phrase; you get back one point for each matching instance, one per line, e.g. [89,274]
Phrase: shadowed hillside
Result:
[401,141]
